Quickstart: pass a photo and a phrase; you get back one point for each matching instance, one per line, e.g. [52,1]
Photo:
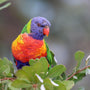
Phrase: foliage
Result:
[5,5]
[38,76]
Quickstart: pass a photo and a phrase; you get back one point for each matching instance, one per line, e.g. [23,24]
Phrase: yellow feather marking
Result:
[29,26]
[44,46]
[19,40]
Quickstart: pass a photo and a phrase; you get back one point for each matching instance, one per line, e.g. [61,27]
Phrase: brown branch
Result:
[7,79]
[77,72]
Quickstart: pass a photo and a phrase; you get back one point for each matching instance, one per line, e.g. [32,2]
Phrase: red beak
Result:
[46,30]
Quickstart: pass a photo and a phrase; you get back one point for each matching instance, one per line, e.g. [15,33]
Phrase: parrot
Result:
[30,43]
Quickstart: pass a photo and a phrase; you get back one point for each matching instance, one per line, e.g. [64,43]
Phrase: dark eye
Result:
[42,25]
[38,24]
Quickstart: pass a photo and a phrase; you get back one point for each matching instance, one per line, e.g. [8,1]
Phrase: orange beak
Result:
[46,31]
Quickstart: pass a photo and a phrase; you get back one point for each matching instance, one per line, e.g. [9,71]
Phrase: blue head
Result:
[39,27]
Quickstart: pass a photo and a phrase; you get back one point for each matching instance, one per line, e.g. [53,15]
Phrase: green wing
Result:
[27,27]
[50,56]
[24,29]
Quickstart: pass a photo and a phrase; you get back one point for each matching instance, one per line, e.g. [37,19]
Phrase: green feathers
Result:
[49,57]
[27,27]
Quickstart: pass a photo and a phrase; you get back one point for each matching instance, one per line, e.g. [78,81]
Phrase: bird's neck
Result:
[36,36]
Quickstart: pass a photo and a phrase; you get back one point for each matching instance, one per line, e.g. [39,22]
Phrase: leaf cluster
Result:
[38,76]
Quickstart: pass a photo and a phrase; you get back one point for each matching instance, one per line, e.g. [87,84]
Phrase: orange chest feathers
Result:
[25,48]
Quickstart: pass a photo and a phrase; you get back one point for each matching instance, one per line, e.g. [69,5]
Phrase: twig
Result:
[7,79]
[77,72]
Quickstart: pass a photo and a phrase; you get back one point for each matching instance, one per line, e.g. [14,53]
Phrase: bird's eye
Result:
[42,25]
[38,24]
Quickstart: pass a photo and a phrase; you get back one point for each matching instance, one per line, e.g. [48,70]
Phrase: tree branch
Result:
[77,72]
[7,79]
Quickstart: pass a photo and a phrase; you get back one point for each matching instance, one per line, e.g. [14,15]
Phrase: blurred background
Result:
[69,32]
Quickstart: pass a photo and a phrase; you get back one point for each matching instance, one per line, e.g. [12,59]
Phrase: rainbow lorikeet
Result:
[30,44]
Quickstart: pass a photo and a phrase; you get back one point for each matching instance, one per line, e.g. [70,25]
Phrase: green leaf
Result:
[53,85]
[5,6]
[38,79]
[30,72]
[11,87]
[56,71]
[68,84]
[31,62]
[47,84]
[20,84]
[79,55]
[61,85]
[40,66]
[6,67]
[22,75]
[9,63]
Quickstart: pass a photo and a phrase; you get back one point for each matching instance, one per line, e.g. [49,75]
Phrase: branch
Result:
[77,72]
[7,79]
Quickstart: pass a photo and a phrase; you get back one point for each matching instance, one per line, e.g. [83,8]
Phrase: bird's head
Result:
[39,27]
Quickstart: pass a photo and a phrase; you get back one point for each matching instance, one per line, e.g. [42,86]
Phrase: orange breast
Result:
[25,48]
